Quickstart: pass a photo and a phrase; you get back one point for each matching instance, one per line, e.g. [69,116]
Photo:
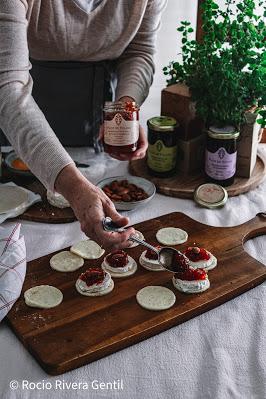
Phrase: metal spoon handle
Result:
[109,225]
[144,243]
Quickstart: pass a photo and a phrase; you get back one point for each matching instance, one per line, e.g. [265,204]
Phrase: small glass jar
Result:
[162,149]
[221,155]
[121,127]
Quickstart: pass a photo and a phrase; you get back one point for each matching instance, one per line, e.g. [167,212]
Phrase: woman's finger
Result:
[112,239]
[101,132]
[140,151]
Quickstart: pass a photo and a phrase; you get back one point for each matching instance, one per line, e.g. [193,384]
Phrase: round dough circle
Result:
[171,236]
[198,287]
[12,198]
[57,200]
[100,293]
[138,235]
[213,264]
[121,274]
[87,249]
[150,265]
[43,297]
[201,265]
[155,297]
[66,261]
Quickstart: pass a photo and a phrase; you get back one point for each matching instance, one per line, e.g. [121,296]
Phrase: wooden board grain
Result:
[182,186]
[83,329]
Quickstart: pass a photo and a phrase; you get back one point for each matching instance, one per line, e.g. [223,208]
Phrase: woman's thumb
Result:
[115,216]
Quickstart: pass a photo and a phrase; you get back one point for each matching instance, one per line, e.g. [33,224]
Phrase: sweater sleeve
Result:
[21,119]
[135,67]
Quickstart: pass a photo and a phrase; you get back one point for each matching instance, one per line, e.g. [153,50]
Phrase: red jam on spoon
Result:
[117,258]
[93,276]
[180,263]
[196,254]
[151,254]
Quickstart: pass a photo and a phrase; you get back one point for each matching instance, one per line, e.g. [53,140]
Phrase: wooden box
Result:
[190,159]
[176,102]
[248,145]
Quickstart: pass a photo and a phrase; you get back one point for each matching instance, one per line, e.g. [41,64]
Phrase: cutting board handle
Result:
[254,227]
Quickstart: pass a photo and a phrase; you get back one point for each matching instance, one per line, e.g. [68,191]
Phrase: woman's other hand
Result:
[90,206]
[140,151]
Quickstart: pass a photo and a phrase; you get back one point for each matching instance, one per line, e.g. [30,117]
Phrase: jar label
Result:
[220,165]
[119,132]
[160,157]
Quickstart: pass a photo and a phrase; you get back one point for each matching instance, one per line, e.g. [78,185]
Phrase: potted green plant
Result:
[226,71]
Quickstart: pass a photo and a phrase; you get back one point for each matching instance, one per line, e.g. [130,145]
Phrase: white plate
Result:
[11,198]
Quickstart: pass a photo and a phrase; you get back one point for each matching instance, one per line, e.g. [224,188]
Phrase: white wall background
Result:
[168,45]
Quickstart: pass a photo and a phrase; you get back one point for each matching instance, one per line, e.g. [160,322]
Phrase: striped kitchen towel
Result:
[12,267]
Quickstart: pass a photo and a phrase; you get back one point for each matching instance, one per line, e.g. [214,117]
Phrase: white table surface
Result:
[220,354]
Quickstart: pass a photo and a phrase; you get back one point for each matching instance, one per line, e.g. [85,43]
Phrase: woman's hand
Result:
[140,151]
[90,206]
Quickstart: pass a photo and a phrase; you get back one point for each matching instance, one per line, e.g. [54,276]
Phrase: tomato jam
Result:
[196,254]
[121,127]
[192,274]
[117,258]
[180,262]
[19,165]
[151,254]
[93,276]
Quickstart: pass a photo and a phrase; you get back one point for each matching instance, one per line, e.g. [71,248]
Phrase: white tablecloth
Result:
[220,354]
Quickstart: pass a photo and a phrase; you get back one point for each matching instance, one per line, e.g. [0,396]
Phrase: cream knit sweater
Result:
[124,30]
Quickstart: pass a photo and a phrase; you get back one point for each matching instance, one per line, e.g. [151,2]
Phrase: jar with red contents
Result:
[121,127]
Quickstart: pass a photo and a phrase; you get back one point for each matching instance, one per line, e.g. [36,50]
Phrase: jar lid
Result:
[120,106]
[210,195]
[162,123]
[223,133]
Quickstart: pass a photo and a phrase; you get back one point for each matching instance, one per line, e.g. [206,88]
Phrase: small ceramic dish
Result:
[9,159]
[146,185]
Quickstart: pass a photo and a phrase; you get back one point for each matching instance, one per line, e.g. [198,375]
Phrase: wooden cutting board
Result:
[83,329]
[183,186]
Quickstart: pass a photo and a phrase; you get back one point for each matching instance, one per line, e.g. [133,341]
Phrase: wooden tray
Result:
[41,212]
[184,186]
[83,329]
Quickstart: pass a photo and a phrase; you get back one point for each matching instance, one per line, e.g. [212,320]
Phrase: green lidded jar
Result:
[162,149]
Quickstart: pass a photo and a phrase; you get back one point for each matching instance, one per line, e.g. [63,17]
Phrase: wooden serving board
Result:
[41,212]
[83,329]
[182,186]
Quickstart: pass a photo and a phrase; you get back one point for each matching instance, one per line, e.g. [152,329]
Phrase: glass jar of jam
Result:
[162,149]
[121,127]
[221,155]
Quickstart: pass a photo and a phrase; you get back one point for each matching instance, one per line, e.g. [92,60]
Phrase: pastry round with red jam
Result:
[149,260]
[200,258]
[191,281]
[119,264]
[94,282]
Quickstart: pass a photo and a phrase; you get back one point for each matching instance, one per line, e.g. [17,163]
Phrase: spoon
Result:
[165,254]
